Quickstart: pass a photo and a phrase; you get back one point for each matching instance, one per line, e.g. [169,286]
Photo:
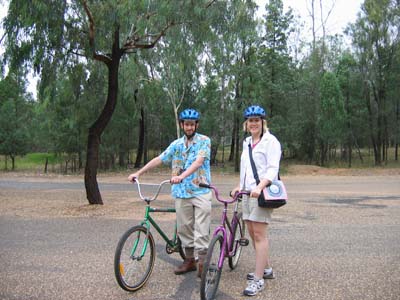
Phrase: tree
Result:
[375,36]
[14,118]
[331,117]
[49,35]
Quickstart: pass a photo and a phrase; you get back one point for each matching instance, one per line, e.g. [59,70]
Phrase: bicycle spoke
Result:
[211,274]
[238,233]
[134,258]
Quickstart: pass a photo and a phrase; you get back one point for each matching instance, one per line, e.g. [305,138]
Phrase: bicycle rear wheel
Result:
[134,258]
[238,232]
[211,273]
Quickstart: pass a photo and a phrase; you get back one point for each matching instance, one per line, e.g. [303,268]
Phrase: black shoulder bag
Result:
[274,195]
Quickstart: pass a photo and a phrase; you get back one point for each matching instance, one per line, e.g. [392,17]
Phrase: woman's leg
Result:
[260,240]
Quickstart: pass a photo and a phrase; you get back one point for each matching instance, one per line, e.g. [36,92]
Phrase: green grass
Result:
[31,161]
[36,162]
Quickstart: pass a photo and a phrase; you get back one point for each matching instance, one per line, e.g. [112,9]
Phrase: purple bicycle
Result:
[227,241]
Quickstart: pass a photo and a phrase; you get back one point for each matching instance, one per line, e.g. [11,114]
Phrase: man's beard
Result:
[189,137]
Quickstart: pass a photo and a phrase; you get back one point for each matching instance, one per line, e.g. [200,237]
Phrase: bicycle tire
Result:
[238,232]
[211,273]
[133,272]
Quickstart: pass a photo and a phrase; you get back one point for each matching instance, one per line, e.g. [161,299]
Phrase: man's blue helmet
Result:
[254,111]
[189,114]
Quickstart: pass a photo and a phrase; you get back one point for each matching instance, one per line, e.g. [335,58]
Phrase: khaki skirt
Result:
[252,212]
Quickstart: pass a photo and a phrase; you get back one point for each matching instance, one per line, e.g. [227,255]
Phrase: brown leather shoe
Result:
[199,269]
[188,265]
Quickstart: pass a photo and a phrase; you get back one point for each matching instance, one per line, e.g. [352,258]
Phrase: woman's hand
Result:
[234,191]
[256,192]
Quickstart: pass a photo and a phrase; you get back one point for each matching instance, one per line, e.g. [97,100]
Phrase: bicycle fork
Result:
[136,243]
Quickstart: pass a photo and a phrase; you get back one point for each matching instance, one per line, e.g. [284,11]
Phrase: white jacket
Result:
[266,156]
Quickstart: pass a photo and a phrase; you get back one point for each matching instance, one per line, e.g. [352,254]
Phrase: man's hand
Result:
[176,179]
[133,176]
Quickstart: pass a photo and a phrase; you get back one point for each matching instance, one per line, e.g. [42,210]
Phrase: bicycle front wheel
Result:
[239,230]
[134,258]
[211,273]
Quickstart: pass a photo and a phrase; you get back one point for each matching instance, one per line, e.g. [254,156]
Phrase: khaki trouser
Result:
[193,217]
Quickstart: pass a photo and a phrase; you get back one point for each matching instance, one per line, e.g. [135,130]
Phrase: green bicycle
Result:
[135,252]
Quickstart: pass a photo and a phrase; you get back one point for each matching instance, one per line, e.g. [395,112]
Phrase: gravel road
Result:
[338,238]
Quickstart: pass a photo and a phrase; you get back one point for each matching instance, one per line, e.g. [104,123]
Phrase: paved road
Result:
[339,238]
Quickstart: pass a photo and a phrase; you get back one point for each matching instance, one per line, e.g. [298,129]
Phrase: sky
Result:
[344,11]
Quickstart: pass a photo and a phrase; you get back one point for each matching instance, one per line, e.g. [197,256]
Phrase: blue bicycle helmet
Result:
[189,114]
[254,111]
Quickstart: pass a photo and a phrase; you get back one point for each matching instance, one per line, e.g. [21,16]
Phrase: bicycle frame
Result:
[228,236]
[148,220]
[221,229]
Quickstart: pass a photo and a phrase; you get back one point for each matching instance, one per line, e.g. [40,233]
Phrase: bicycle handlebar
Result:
[228,201]
[135,180]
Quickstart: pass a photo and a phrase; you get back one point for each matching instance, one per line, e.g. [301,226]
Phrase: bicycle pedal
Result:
[244,242]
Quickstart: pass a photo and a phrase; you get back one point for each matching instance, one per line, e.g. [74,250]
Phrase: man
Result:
[189,157]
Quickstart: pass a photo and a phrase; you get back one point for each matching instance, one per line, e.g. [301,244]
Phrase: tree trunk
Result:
[140,148]
[141,144]
[45,165]
[233,140]
[95,131]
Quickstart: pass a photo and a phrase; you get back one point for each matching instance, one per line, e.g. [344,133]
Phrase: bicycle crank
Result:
[170,249]
[244,241]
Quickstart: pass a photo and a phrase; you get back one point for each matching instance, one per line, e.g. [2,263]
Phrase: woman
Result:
[266,152]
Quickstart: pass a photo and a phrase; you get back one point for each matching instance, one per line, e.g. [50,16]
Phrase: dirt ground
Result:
[48,203]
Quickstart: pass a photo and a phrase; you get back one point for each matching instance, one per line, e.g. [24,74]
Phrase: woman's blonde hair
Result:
[265,127]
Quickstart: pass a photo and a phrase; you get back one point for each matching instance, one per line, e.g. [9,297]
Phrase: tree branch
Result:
[133,43]
[92,27]
[211,2]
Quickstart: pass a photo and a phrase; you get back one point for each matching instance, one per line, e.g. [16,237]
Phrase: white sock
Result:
[268,271]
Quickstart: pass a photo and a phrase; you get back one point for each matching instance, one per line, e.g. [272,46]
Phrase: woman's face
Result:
[254,125]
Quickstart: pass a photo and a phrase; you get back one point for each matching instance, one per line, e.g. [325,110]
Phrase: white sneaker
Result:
[266,275]
[253,287]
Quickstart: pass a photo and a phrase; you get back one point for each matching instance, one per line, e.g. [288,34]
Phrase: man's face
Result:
[189,127]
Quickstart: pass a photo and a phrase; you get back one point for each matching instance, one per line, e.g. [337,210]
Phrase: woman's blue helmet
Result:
[189,114]
[254,111]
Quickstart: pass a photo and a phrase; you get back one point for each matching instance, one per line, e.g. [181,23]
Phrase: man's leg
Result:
[185,221]
[202,212]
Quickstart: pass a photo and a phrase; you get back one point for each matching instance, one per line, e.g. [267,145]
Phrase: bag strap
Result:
[253,165]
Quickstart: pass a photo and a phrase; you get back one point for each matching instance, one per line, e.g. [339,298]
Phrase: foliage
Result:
[325,103]
[14,118]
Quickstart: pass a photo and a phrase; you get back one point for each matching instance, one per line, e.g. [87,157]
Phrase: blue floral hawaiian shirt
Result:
[181,157]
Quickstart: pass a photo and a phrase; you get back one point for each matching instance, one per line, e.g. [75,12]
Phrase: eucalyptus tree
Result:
[375,37]
[15,113]
[274,57]
[230,45]
[350,83]
[231,67]
[176,64]
[47,34]
[331,119]
[275,71]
